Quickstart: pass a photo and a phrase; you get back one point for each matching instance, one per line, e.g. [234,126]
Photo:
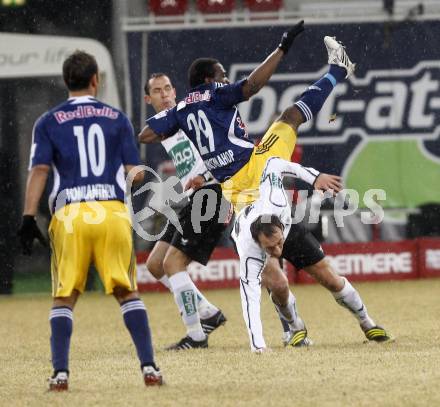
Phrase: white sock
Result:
[164,280]
[349,298]
[289,313]
[206,309]
[185,298]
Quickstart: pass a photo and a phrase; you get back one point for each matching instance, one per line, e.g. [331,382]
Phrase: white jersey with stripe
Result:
[273,201]
[185,156]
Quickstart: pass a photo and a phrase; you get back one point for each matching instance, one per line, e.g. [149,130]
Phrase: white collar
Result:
[82,99]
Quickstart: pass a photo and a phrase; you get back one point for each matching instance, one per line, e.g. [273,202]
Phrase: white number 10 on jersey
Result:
[95,158]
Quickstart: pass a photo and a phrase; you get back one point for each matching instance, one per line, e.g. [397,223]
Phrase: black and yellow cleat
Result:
[298,339]
[377,334]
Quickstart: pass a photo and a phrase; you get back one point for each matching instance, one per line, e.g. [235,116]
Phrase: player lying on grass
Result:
[89,145]
[174,251]
[264,230]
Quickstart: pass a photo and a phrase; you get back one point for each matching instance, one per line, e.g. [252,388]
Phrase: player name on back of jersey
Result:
[220,160]
[91,192]
[82,112]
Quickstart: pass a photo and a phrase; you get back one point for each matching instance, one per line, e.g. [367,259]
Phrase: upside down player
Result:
[210,118]
[89,145]
[264,229]
[174,248]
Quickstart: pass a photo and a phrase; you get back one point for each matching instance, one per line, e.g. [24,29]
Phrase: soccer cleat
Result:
[377,334]
[188,343]
[59,381]
[152,376]
[210,324]
[297,339]
[337,55]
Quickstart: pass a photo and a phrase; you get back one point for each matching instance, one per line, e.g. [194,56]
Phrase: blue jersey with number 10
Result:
[87,143]
[211,120]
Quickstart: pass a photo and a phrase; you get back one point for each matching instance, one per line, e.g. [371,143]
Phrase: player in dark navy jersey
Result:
[90,146]
[209,116]
[87,143]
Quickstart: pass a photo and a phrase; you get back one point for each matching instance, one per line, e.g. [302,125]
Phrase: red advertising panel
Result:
[429,257]
[373,261]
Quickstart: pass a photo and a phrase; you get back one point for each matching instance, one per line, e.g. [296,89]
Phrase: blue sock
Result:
[61,324]
[136,321]
[313,98]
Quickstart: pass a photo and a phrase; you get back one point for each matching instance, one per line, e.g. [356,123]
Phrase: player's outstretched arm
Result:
[262,73]
[319,181]
[147,136]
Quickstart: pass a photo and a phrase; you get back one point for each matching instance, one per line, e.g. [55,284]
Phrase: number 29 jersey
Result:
[87,143]
[211,120]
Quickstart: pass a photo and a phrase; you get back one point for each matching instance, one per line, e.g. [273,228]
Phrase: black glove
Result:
[28,232]
[289,36]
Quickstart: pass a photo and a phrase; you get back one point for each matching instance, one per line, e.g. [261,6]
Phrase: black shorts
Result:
[301,248]
[199,244]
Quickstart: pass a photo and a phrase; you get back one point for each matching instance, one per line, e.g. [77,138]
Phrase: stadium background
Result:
[381,131]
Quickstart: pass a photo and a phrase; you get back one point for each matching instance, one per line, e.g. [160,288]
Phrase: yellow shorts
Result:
[91,232]
[243,187]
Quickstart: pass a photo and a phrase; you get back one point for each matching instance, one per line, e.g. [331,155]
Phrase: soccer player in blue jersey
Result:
[210,118]
[89,146]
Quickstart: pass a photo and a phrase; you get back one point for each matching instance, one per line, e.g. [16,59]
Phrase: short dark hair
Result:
[78,70]
[265,224]
[154,76]
[200,69]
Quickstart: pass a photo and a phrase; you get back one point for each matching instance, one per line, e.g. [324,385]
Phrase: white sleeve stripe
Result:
[304,109]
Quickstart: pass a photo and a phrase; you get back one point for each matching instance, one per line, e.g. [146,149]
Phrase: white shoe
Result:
[152,376]
[338,56]
[59,382]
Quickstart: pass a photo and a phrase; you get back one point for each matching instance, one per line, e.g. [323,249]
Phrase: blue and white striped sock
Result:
[313,98]
[136,321]
[61,324]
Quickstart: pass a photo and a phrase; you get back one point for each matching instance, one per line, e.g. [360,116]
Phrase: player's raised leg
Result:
[341,67]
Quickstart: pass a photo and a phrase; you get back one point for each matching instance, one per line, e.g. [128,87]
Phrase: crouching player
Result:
[89,145]
[263,230]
